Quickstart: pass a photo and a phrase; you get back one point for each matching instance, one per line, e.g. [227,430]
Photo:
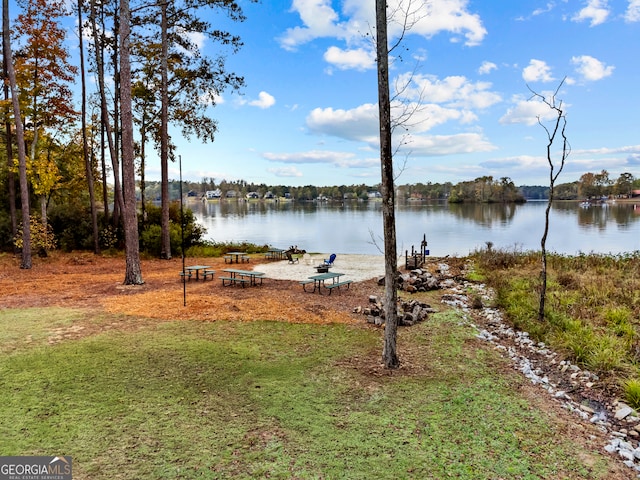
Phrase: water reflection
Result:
[356,227]
[486,214]
[599,216]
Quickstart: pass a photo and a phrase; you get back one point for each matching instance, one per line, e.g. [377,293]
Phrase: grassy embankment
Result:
[274,400]
[592,312]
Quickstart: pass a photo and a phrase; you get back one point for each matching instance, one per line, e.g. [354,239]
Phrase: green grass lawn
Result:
[273,400]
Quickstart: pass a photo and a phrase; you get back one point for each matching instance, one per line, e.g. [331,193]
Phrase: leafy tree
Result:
[85,142]
[44,74]
[603,183]
[22,154]
[587,187]
[103,41]
[173,78]
[624,184]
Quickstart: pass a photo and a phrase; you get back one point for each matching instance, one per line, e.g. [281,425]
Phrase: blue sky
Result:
[308,113]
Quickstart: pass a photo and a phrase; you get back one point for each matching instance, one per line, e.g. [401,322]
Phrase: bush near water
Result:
[592,310]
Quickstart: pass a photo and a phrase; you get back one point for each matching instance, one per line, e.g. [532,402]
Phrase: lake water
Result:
[356,227]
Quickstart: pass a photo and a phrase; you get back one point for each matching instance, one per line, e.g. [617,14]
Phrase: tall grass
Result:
[218,249]
[592,310]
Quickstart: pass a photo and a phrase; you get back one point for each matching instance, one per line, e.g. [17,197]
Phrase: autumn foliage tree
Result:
[44,75]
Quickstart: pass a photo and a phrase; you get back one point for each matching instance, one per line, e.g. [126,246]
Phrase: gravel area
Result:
[355,267]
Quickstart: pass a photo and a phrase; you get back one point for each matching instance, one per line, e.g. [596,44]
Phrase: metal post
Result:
[184,278]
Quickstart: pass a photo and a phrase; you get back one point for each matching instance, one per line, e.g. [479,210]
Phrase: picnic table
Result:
[241,277]
[274,254]
[320,280]
[199,268]
[239,257]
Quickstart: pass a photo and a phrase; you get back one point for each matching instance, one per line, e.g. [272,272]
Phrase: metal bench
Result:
[338,285]
[208,273]
[304,284]
[185,275]
[233,280]
[228,259]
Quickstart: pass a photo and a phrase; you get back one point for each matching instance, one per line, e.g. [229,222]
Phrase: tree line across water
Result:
[482,189]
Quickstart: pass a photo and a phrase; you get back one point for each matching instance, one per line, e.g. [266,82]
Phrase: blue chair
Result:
[330,260]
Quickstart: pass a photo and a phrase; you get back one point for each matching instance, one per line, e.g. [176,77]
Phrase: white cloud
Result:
[341,159]
[355,124]
[320,20]
[539,11]
[454,91]
[591,69]
[424,117]
[527,112]
[358,59]
[633,11]
[285,172]
[445,16]
[519,162]
[629,149]
[537,71]
[487,67]
[427,103]
[438,145]
[264,100]
[361,123]
[596,11]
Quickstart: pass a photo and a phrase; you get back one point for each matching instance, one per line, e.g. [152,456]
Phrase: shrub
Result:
[619,319]
[42,238]
[631,392]
[607,354]
[150,235]
[6,240]
[72,226]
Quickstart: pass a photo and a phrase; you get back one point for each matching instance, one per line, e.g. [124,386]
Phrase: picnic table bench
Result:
[187,272]
[320,279]
[208,273]
[237,256]
[234,280]
[241,277]
[337,285]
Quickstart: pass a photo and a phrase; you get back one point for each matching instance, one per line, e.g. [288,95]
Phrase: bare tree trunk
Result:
[118,187]
[165,239]
[558,127]
[103,164]
[22,154]
[389,352]
[11,181]
[143,154]
[106,124]
[85,144]
[133,274]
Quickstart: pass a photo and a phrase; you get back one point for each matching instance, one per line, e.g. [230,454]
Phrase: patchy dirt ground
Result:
[86,281]
[95,284]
